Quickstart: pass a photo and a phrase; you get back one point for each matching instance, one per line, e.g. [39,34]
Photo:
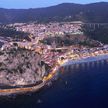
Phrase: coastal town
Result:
[52,55]
[49,29]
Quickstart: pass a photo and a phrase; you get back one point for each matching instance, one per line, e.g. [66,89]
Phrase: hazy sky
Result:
[39,3]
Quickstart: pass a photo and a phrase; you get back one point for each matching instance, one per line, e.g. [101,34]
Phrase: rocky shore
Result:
[22,68]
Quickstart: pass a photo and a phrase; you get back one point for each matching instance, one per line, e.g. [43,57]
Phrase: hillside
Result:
[19,66]
[95,12]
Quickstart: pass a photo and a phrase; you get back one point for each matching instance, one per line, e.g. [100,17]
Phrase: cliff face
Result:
[20,67]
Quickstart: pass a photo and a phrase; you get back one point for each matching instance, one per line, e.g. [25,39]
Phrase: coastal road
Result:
[4,92]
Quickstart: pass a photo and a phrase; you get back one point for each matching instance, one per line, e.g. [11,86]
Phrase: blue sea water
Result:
[83,85]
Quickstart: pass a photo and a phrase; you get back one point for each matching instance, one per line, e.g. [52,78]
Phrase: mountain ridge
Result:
[94,12]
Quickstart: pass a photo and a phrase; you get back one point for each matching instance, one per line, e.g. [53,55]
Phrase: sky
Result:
[17,4]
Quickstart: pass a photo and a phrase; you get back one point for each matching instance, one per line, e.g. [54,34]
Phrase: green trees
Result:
[97,32]
[6,31]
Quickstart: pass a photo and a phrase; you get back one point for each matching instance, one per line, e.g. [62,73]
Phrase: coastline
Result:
[5,92]
[23,90]
[88,59]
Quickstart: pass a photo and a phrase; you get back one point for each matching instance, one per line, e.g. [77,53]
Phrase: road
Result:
[4,92]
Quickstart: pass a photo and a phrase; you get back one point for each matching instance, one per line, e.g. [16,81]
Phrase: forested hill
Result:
[95,12]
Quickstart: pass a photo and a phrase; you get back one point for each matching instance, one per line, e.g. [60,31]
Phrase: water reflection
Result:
[83,85]
[84,66]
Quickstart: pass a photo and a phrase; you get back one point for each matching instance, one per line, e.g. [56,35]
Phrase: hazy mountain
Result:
[95,12]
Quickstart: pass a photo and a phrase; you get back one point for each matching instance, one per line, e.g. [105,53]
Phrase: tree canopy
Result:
[96,32]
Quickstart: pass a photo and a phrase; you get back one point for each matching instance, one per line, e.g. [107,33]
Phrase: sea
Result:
[78,85]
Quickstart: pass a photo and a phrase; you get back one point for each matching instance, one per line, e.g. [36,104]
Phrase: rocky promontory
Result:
[19,66]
